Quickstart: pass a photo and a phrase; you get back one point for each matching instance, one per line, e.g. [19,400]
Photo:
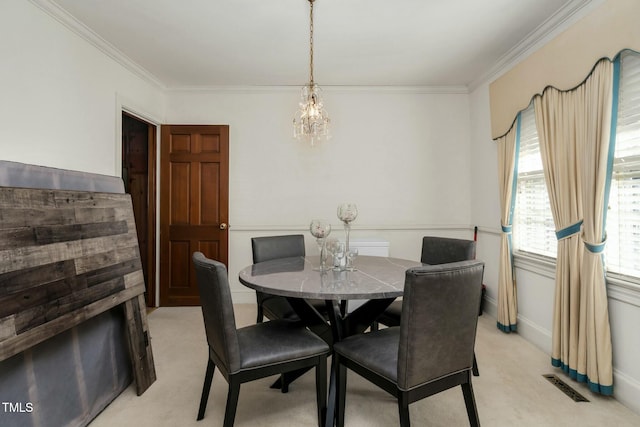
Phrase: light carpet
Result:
[510,390]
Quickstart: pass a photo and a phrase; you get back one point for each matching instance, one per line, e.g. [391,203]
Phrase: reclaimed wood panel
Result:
[139,347]
[66,256]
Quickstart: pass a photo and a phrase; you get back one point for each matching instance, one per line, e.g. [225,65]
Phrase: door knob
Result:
[223,226]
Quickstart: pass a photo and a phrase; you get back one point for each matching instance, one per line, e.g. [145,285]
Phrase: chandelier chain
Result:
[311,41]
[311,122]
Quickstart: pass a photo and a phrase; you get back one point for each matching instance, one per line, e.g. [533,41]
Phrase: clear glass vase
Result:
[347,213]
[320,229]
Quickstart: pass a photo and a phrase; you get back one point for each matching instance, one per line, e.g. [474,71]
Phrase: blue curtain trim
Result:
[568,231]
[507,328]
[595,249]
[507,228]
[612,139]
[514,182]
[605,390]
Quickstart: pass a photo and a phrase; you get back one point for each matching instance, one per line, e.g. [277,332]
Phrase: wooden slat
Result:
[66,233]
[53,309]
[113,271]
[28,278]
[139,347]
[32,256]
[36,297]
[7,328]
[21,198]
[89,262]
[30,217]
[66,256]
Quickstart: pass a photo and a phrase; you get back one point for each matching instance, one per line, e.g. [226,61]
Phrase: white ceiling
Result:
[211,43]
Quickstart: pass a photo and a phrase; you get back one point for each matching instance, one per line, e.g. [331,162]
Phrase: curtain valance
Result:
[563,62]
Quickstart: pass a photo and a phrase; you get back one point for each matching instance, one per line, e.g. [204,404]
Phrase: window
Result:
[534,230]
[623,218]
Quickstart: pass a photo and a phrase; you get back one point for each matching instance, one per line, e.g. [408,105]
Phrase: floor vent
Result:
[565,388]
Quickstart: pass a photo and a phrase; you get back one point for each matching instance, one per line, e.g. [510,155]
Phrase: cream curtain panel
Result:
[507,175]
[574,132]
[594,343]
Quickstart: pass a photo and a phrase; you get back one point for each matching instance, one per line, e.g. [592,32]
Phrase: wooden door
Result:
[139,176]
[194,205]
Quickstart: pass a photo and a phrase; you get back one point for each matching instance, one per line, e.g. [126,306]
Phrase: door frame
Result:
[153,141]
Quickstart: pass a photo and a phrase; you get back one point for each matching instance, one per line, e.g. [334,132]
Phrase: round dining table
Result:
[378,280]
[299,277]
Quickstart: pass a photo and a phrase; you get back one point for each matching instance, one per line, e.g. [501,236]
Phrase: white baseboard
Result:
[536,335]
[527,329]
[626,390]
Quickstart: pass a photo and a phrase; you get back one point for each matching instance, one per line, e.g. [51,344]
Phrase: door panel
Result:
[180,190]
[210,206]
[194,205]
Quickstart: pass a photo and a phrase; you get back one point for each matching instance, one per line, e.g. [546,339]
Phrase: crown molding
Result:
[448,90]
[69,21]
[566,16]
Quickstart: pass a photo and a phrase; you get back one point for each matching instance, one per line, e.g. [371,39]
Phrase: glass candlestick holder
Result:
[321,229]
[347,213]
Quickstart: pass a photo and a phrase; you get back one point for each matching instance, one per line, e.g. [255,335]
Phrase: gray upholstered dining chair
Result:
[435,250]
[432,349]
[255,351]
[274,247]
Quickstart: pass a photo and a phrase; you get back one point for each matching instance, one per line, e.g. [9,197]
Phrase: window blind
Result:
[623,218]
[534,230]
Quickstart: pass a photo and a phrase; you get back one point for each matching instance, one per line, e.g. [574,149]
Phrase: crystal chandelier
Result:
[311,122]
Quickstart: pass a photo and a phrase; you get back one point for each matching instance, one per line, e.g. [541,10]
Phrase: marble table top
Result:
[374,278]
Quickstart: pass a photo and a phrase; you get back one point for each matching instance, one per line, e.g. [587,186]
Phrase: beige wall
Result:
[61,97]
[566,60]
[401,155]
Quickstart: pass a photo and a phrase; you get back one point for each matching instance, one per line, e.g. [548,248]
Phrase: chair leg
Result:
[260,314]
[403,409]
[476,373]
[474,369]
[321,390]
[470,403]
[232,402]
[344,306]
[341,394]
[208,377]
[285,384]
[332,393]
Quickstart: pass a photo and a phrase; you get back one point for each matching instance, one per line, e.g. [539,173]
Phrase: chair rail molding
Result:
[386,227]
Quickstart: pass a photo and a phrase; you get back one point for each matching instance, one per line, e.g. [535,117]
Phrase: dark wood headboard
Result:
[66,256]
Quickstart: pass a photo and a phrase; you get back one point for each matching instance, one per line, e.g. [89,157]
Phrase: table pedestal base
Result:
[340,326]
